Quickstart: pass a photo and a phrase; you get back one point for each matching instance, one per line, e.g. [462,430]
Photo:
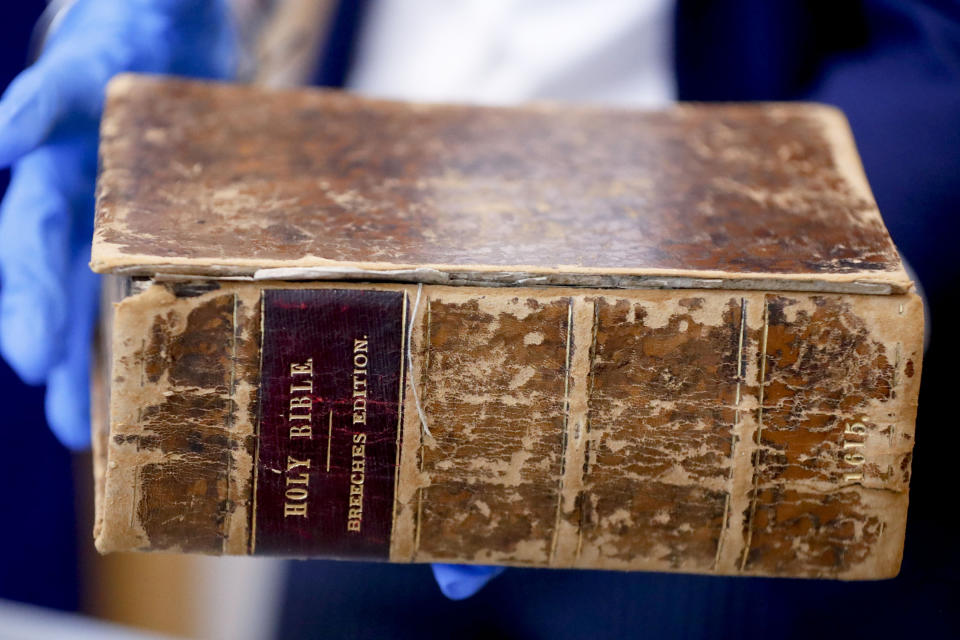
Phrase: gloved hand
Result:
[49,118]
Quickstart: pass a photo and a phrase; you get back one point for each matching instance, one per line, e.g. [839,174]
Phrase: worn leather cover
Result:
[703,431]
[730,388]
[213,179]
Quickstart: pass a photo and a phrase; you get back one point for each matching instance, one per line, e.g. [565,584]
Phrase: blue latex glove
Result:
[49,118]
[458,582]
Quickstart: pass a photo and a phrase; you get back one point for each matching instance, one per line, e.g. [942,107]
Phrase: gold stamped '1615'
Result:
[852,455]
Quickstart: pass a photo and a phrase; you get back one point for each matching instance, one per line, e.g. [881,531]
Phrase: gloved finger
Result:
[57,87]
[28,111]
[34,235]
[98,39]
[47,187]
[68,385]
[186,37]
[458,582]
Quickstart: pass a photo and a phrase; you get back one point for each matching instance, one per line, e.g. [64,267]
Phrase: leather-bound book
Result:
[547,335]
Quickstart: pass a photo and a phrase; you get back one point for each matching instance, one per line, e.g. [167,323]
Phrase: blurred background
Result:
[39,549]
[892,66]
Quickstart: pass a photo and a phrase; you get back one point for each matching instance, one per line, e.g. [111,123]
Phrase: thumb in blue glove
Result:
[458,582]
[48,131]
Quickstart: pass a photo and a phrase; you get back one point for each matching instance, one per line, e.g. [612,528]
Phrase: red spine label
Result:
[330,402]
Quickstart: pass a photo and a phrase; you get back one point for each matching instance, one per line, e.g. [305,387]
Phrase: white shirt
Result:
[507,51]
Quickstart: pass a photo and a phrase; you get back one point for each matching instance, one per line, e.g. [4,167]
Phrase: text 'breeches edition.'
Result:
[549,336]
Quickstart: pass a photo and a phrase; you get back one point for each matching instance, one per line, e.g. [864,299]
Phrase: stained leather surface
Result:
[213,178]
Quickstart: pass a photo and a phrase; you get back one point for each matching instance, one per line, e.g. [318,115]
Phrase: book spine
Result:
[706,431]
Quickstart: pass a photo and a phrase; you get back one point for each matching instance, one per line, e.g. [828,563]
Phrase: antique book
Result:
[546,335]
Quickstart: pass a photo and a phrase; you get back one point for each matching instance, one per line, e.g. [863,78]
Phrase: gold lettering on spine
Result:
[301,432]
[301,426]
[293,463]
[358,449]
[301,402]
[851,456]
[294,509]
[305,369]
[297,488]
